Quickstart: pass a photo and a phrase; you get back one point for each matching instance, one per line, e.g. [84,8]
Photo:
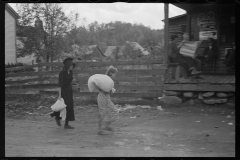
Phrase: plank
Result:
[223,79]
[91,72]
[127,72]
[233,79]
[21,74]
[205,79]
[84,79]
[199,87]
[107,63]
[136,95]
[218,79]
[22,81]
[215,79]
[21,67]
[227,80]
[120,79]
[93,64]
[84,86]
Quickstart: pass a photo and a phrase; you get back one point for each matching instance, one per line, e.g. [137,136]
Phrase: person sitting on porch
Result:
[230,58]
[211,53]
[175,57]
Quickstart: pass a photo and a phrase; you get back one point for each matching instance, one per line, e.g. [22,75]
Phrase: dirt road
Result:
[195,131]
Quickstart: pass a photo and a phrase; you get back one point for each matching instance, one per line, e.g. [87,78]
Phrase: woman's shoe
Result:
[68,127]
[58,122]
[52,114]
[103,133]
[111,129]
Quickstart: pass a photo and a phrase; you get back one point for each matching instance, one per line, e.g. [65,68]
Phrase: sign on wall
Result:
[206,22]
[204,35]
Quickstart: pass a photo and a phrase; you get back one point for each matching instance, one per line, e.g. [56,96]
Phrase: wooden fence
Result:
[134,79]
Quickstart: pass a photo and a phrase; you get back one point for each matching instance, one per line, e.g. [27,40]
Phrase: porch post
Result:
[166,28]
[189,25]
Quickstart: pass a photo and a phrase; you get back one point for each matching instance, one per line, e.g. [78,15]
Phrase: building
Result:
[114,52]
[177,26]
[91,53]
[209,20]
[10,34]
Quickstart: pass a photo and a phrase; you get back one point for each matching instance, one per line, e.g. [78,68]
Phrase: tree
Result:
[44,37]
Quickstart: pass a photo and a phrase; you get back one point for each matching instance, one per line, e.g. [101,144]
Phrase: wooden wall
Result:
[175,27]
[10,38]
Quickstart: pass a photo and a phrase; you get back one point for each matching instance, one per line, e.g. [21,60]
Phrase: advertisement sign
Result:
[204,35]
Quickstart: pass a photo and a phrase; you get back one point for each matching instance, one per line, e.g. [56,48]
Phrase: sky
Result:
[148,14]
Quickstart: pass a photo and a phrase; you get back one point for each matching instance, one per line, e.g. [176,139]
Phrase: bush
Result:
[11,65]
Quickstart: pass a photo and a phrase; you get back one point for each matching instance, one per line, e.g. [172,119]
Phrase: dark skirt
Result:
[67,95]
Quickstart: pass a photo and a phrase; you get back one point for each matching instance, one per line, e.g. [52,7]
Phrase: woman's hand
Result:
[113,90]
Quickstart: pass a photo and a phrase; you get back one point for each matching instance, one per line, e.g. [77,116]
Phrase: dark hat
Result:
[68,62]
[173,37]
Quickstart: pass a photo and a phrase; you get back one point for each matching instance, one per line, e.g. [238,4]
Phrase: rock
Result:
[145,107]
[231,94]
[209,101]
[147,148]
[171,93]
[169,134]
[190,102]
[188,94]
[159,108]
[219,101]
[171,100]
[208,94]
[222,95]
[120,143]
[229,116]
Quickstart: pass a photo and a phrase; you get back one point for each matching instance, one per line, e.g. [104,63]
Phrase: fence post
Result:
[40,77]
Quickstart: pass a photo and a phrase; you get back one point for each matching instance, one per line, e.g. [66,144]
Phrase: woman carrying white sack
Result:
[108,112]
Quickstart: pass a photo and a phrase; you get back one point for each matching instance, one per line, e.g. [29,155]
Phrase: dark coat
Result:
[65,80]
[211,53]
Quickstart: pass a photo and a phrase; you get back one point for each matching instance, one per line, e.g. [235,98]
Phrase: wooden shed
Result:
[10,34]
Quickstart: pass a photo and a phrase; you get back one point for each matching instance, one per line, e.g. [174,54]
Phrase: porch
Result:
[214,83]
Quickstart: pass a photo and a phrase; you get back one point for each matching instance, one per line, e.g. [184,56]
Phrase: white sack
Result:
[104,82]
[59,105]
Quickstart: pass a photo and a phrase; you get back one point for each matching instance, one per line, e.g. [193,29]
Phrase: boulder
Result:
[190,102]
[171,93]
[222,95]
[188,94]
[208,94]
[219,101]
[209,101]
[200,96]
[171,99]
[230,94]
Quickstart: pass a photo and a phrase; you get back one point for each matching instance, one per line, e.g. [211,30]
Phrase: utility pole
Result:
[166,29]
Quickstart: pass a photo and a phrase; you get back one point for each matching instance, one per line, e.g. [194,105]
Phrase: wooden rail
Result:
[129,82]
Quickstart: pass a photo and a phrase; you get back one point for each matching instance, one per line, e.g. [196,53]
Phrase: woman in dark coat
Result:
[65,91]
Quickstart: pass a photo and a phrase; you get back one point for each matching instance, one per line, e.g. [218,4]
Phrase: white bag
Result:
[104,82]
[59,105]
